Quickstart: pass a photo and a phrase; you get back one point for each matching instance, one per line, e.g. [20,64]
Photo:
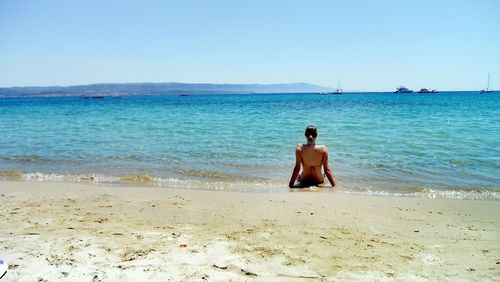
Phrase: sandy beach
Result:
[74,232]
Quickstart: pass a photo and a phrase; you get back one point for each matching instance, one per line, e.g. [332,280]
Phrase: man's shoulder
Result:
[322,148]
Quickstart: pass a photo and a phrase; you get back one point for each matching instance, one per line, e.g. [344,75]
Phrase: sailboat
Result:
[487,90]
[338,91]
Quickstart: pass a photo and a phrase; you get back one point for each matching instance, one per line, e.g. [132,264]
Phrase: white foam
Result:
[435,194]
[259,187]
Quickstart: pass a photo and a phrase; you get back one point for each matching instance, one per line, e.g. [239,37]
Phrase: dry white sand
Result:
[72,232]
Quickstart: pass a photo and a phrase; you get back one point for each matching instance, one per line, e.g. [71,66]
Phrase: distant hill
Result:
[168,88]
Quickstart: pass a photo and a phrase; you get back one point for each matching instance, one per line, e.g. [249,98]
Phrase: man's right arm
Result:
[327,169]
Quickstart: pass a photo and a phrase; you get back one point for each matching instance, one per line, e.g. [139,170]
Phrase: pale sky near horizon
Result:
[369,45]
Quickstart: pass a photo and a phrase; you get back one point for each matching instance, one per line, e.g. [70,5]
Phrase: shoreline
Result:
[146,180]
[65,231]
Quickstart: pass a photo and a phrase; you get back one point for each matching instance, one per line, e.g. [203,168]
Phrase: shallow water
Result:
[446,143]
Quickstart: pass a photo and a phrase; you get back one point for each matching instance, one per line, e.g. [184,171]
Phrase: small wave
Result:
[208,174]
[479,194]
[375,166]
[11,174]
[56,177]
[27,159]
[483,194]
[124,158]
[38,176]
[138,178]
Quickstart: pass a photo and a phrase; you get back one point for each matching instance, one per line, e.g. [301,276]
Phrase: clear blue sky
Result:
[369,45]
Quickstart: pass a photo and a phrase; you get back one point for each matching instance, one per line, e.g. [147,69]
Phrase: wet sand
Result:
[73,232]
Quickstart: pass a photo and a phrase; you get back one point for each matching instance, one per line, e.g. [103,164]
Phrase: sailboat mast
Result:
[488,86]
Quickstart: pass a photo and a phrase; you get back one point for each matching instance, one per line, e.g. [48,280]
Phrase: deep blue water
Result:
[396,143]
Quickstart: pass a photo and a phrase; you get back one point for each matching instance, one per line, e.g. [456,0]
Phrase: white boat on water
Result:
[487,90]
[402,89]
[338,91]
[426,90]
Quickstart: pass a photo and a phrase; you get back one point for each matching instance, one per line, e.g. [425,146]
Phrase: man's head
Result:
[311,132]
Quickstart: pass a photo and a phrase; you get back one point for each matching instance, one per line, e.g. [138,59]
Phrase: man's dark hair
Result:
[311,132]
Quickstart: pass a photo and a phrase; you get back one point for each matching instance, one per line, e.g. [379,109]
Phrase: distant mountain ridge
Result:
[166,88]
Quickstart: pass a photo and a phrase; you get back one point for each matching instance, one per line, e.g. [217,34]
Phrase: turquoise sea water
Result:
[438,145]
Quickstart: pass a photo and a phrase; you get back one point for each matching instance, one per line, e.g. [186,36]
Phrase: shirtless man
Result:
[311,157]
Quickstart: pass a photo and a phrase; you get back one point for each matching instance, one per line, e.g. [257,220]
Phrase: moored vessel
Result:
[402,89]
[487,90]
[426,90]
[338,91]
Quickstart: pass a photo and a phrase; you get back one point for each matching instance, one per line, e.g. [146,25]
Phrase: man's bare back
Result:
[312,160]
[311,157]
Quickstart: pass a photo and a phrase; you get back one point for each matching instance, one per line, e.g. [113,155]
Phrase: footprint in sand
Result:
[430,259]
[131,254]
[235,269]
